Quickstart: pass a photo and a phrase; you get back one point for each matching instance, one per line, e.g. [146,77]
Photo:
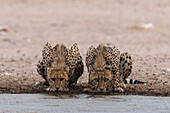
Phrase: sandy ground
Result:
[138,27]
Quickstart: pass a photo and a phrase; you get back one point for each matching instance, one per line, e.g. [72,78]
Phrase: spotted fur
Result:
[119,66]
[103,65]
[60,67]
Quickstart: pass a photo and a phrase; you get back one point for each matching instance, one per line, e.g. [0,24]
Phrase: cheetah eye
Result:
[106,79]
[108,67]
[53,79]
[61,79]
[96,80]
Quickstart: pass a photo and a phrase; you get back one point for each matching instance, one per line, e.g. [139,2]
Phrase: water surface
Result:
[40,103]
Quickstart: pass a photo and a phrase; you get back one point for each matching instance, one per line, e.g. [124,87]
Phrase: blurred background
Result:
[139,27]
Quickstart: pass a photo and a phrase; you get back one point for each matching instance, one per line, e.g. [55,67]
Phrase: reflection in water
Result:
[83,103]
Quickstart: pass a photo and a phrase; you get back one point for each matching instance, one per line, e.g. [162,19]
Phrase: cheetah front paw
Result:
[87,90]
[122,85]
[66,89]
[119,89]
[50,89]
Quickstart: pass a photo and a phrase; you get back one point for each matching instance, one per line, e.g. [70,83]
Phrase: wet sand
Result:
[30,24]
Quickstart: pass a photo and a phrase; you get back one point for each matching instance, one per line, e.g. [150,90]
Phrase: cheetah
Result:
[108,69]
[60,66]
[103,66]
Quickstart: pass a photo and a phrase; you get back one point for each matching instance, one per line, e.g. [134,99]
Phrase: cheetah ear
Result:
[66,76]
[66,68]
[48,73]
[95,65]
[48,69]
[90,68]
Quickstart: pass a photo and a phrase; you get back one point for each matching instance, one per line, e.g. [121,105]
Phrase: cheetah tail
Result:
[132,81]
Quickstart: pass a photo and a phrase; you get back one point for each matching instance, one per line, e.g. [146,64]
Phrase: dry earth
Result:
[29,24]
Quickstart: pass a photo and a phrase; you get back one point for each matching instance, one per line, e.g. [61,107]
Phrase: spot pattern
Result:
[120,66]
[73,61]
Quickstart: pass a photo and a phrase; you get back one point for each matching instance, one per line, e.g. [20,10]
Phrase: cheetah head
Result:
[58,79]
[101,80]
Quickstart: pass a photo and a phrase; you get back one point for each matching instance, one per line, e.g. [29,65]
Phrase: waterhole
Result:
[82,103]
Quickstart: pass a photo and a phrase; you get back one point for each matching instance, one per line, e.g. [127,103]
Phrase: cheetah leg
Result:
[128,68]
[125,67]
[88,89]
[121,82]
[116,84]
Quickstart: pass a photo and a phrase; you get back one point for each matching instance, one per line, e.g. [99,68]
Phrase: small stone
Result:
[25,79]
[166,82]
[36,83]
[154,73]
[12,60]
[163,71]
[18,51]
[6,73]
[3,29]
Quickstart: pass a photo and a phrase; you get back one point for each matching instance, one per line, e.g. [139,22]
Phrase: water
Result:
[40,103]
